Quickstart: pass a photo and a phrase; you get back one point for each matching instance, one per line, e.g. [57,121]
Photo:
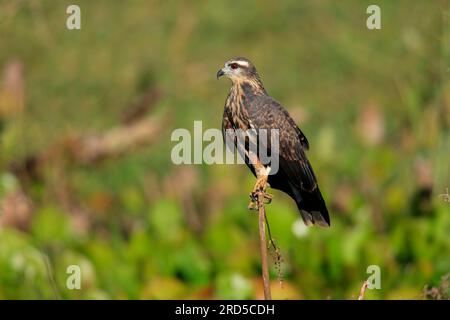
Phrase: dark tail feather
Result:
[312,207]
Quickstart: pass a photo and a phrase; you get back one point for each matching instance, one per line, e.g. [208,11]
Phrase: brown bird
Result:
[248,106]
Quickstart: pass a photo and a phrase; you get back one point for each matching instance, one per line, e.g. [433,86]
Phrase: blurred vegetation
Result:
[375,106]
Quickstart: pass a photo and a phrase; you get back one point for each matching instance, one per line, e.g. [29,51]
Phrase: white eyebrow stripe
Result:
[242,63]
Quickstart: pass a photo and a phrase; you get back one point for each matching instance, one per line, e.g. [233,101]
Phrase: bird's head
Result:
[238,70]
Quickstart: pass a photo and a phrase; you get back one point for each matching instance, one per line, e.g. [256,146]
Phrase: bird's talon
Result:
[254,196]
[252,205]
[268,198]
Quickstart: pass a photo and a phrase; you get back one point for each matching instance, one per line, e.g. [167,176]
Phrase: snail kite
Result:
[249,107]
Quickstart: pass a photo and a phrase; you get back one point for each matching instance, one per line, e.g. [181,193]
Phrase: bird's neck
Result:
[249,87]
[241,93]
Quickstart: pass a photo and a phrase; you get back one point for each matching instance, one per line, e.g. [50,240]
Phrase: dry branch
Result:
[263,246]
[362,291]
[91,148]
[134,130]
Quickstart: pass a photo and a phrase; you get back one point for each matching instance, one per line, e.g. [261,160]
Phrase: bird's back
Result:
[295,176]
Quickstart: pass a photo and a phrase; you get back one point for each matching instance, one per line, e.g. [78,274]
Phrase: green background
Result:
[375,106]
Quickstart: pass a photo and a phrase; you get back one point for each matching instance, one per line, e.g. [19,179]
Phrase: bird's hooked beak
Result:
[220,73]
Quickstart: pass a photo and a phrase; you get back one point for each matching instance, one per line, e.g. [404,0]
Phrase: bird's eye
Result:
[234,66]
